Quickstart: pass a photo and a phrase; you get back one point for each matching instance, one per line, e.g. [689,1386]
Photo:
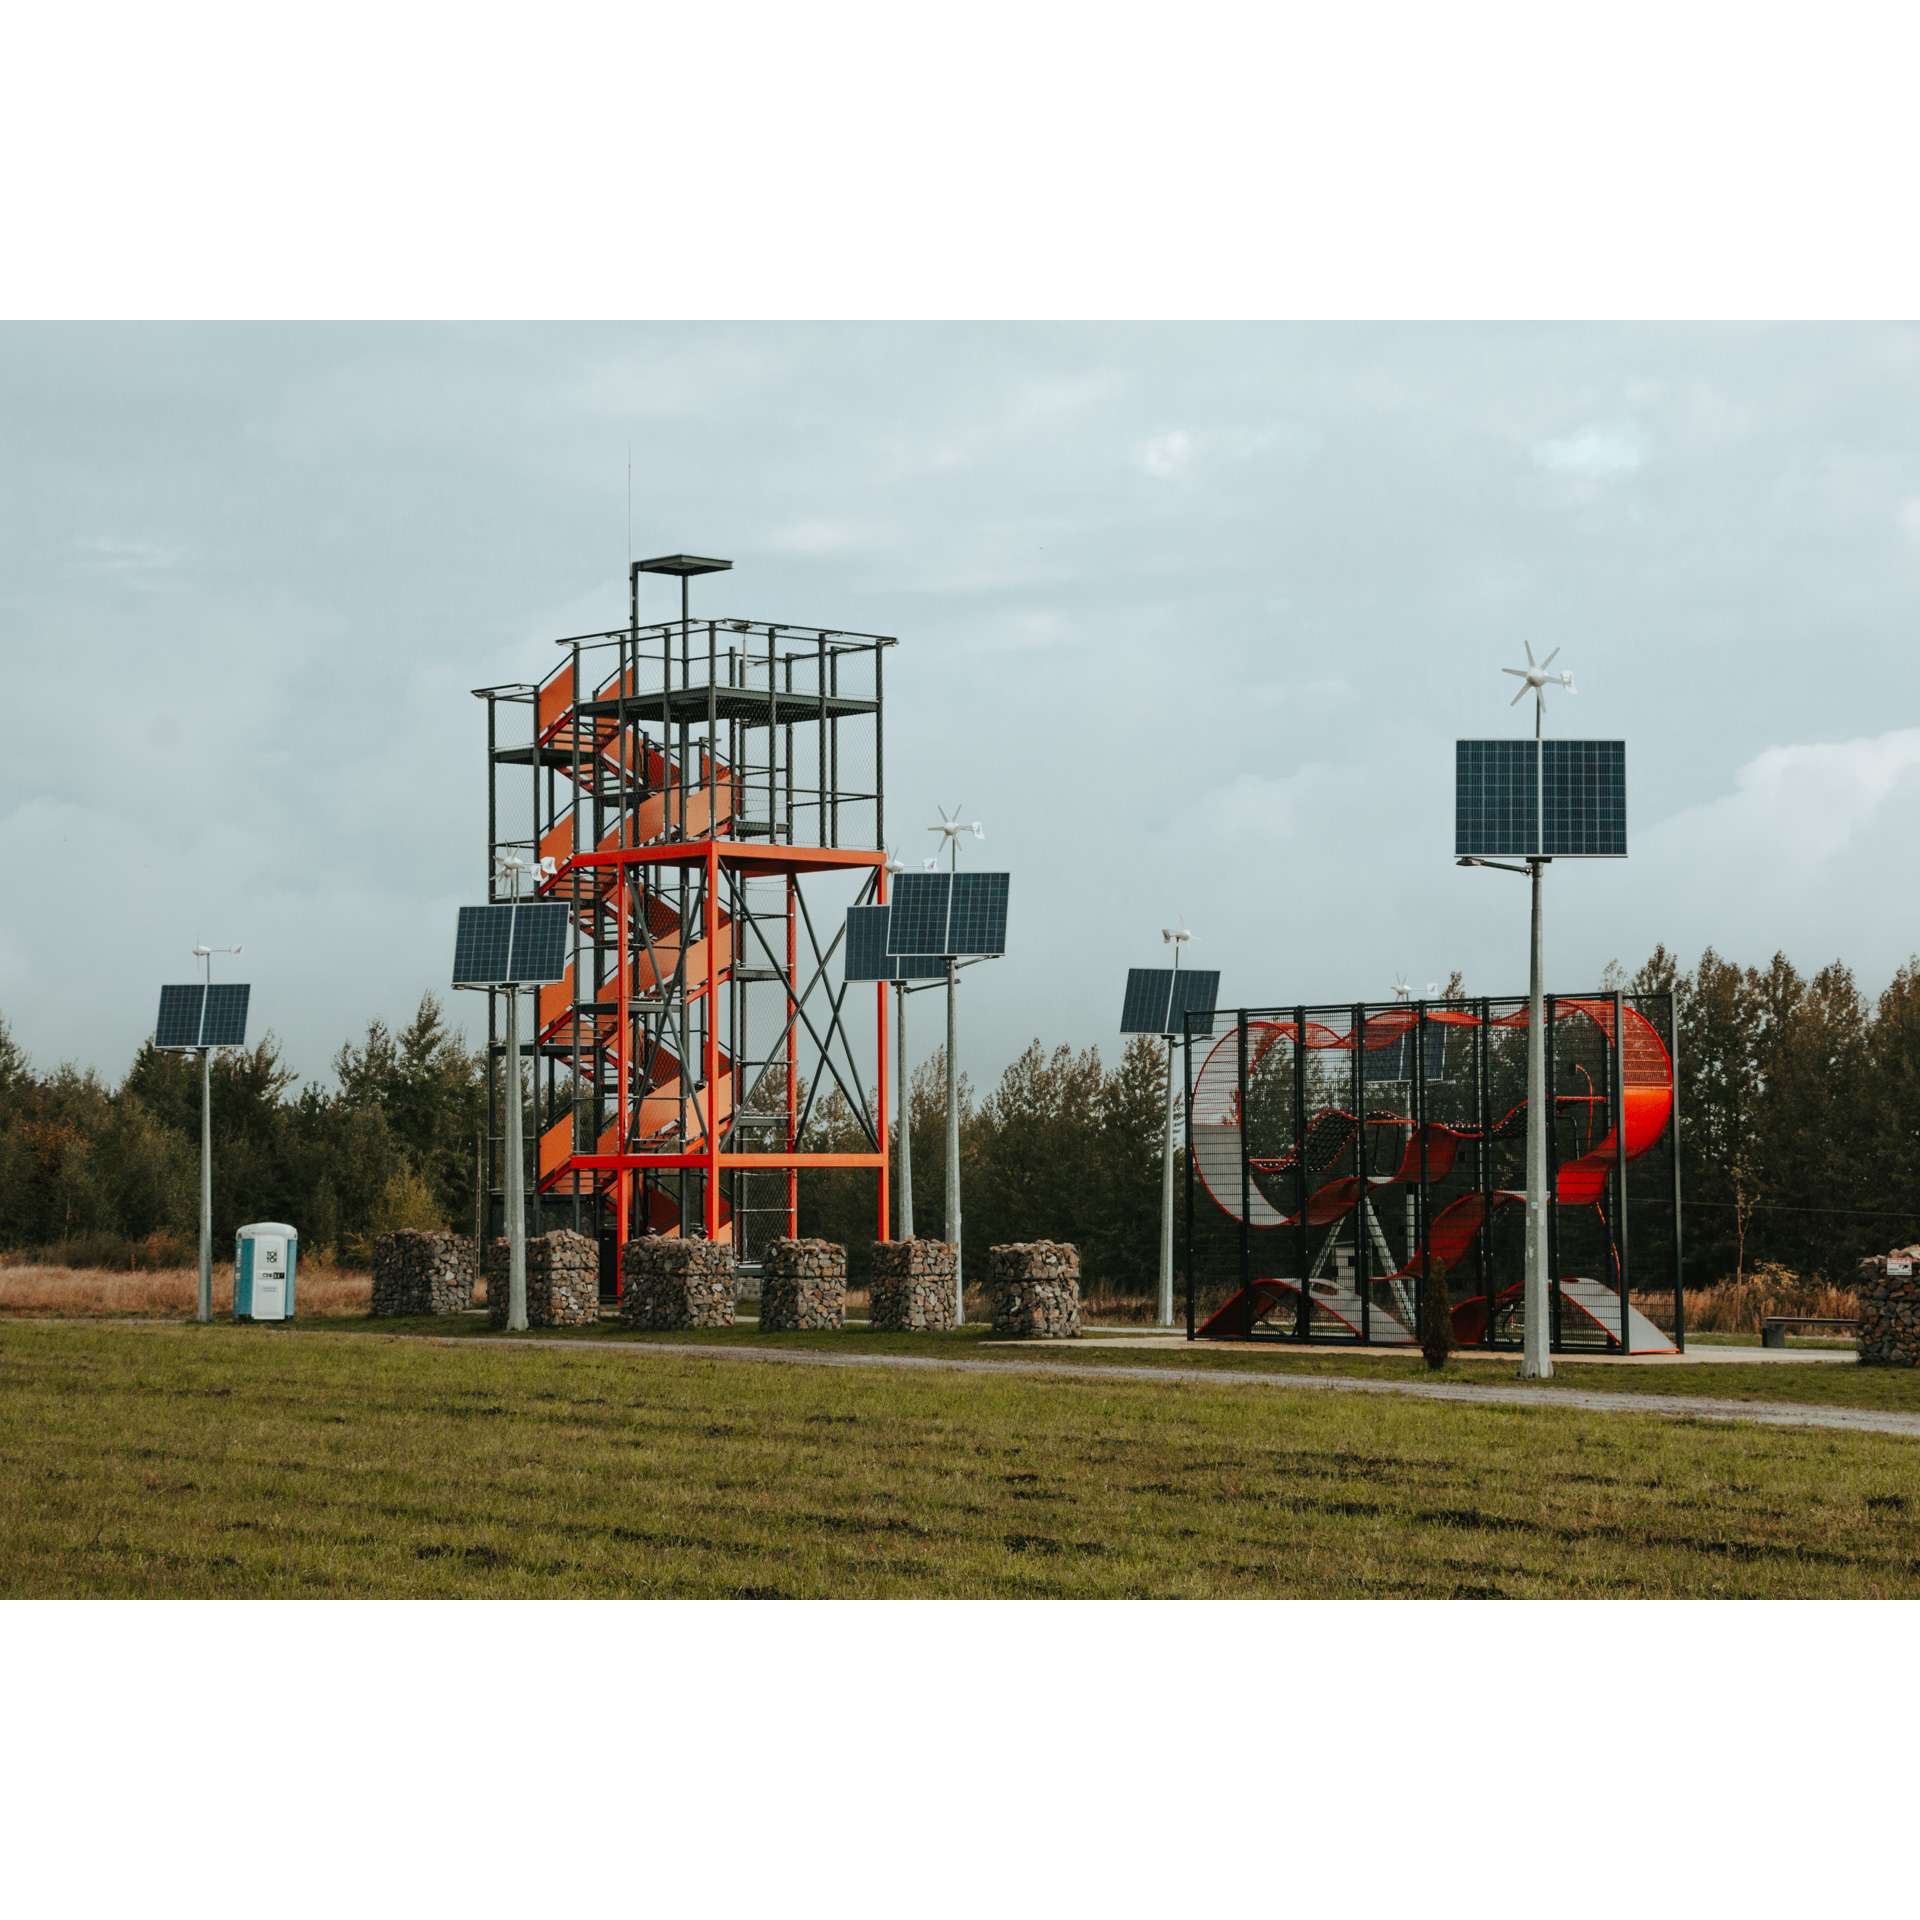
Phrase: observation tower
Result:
[693,781]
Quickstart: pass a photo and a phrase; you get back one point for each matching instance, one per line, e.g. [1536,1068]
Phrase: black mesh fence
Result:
[1349,1167]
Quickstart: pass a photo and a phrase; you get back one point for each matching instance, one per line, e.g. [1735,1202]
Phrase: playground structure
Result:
[693,783]
[1339,1157]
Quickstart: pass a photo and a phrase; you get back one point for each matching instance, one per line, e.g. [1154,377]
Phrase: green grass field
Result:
[183,1461]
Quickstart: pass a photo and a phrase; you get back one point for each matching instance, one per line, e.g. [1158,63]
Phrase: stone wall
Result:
[563,1280]
[1033,1288]
[669,1282]
[805,1286]
[1889,1333]
[913,1290]
[423,1272]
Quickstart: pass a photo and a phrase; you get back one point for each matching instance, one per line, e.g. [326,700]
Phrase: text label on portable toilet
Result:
[264,1259]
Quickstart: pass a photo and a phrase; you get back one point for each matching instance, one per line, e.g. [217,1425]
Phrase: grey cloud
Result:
[1229,690]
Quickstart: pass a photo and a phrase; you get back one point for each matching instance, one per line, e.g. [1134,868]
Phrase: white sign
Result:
[1899,1269]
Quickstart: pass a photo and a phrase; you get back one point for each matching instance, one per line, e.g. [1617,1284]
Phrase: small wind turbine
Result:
[953,828]
[1177,937]
[1400,987]
[1537,680]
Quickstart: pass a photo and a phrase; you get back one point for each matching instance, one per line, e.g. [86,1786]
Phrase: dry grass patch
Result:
[169,1293]
[1738,1306]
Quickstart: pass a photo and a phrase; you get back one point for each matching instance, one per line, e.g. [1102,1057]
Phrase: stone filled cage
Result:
[1326,1182]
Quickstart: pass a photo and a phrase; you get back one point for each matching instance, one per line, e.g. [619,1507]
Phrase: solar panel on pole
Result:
[1149,992]
[1496,799]
[1583,790]
[867,955]
[538,955]
[481,946]
[918,914]
[225,1024]
[978,923]
[1502,788]
[180,1012]
[1195,990]
[511,944]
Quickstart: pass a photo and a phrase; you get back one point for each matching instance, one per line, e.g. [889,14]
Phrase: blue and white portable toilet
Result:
[264,1257]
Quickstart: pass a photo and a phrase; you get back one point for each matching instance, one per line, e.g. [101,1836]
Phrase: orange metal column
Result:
[711,1209]
[880,1001]
[622,1181]
[793,1064]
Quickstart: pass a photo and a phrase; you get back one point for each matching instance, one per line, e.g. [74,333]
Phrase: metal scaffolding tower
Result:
[690,781]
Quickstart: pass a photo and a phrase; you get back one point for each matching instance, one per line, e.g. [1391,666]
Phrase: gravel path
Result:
[1673,1405]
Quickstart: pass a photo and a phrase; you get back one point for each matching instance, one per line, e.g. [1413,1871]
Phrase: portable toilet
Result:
[264,1257]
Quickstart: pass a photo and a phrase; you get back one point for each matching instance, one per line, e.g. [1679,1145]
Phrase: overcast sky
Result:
[1189,616]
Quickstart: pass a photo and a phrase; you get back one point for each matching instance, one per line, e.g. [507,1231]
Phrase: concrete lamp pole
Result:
[1536,1355]
[953,829]
[1177,938]
[905,1223]
[512,865]
[203,1310]
[903,1212]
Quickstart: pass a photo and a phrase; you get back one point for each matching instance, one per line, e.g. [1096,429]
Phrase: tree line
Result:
[1799,1143]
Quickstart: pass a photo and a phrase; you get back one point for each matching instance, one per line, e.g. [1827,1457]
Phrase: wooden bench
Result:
[1773,1328]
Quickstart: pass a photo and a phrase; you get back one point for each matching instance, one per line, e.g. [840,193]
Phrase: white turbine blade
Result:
[1549,660]
[1531,661]
[1518,697]
[1521,671]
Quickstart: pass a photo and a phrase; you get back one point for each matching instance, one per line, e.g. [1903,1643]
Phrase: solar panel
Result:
[867,944]
[979,921]
[1145,1008]
[179,1022]
[226,1023]
[1393,1063]
[1388,1064]
[867,955]
[511,944]
[919,910]
[1496,810]
[190,1018]
[1584,790]
[539,952]
[1159,999]
[1500,785]
[480,947]
[1195,990]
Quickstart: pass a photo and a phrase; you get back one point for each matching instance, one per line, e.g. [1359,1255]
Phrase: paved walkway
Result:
[1698,1354]
[1493,1393]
